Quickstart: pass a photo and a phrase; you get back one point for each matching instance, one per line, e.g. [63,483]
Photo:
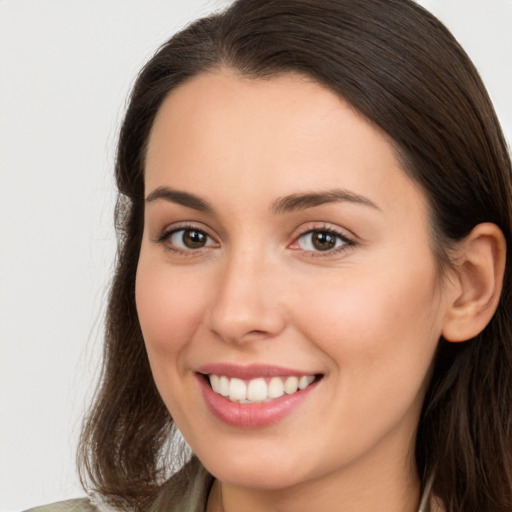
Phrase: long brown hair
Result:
[403,70]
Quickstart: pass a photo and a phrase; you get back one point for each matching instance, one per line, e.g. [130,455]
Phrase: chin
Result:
[265,473]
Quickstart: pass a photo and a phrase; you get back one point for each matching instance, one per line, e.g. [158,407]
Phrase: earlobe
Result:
[479,278]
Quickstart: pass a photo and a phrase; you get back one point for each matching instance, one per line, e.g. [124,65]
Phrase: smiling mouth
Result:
[258,390]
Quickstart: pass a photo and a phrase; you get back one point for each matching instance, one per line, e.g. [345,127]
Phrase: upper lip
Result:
[253,371]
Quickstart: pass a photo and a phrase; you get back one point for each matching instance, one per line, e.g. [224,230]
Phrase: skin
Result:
[366,315]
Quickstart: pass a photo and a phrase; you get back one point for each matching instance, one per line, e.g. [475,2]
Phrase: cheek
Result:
[168,306]
[377,322]
[169,310]
[379,333]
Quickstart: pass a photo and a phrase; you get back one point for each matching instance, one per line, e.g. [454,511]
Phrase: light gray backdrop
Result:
[66,67]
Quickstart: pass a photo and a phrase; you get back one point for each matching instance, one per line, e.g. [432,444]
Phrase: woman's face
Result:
[285,248]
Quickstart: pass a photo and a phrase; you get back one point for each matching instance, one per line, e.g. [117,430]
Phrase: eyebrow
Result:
[296,202]
[178,197]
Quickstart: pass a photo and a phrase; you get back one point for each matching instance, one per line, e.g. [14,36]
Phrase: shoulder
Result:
[78,505]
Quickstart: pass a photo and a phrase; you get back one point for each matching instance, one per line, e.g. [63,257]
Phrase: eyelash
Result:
[168,233]
[346,242]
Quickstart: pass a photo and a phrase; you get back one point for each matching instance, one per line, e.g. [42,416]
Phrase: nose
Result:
[246,304]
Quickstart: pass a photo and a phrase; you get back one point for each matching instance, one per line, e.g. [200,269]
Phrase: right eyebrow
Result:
[178,197]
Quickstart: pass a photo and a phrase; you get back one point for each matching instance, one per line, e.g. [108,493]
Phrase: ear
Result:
[477,283]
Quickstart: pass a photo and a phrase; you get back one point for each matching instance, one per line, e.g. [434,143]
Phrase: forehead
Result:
[270,135]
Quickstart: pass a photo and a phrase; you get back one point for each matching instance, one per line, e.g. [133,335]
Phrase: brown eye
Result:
[194,239]
[321,241]
[189,239]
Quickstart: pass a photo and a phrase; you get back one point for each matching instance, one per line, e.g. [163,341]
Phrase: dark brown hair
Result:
[403,70]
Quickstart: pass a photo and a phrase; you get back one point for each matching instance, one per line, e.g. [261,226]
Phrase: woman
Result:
[312,286]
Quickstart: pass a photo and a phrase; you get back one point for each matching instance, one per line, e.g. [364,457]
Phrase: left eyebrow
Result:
[296,202]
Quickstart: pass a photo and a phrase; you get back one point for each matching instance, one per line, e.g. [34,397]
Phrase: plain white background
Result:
[66,67]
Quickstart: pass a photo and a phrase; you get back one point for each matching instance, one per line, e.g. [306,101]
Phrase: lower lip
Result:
[252,415]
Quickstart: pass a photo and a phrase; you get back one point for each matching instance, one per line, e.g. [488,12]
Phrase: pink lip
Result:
[250,415]
[252,371]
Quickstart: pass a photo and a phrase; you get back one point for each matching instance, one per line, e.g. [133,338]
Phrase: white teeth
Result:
[275,388]
[224,386]
[214,381]
[259,389]
[305,381]
[237,390]
[291,385]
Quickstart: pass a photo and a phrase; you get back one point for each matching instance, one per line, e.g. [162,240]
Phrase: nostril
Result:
[257,333]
